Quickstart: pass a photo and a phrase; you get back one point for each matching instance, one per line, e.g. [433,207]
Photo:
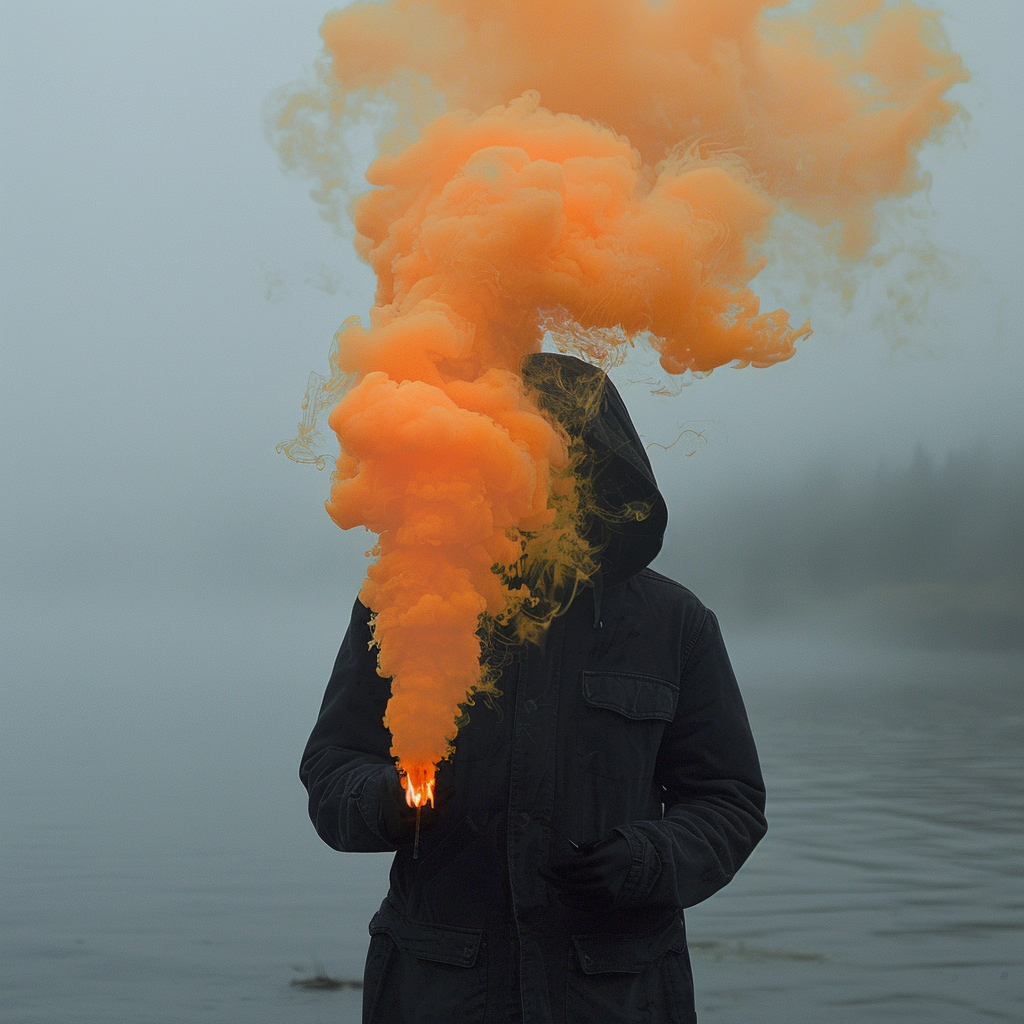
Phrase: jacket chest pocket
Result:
[621,722]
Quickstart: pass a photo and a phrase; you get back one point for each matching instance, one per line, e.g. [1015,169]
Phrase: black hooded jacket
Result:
[628,718]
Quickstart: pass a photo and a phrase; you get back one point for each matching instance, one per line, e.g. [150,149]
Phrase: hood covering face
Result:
[629,515]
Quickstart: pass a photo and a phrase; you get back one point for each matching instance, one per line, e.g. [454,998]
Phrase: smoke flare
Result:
[612,166]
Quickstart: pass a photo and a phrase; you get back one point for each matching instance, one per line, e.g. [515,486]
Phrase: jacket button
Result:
[468,952]
[530,705]
[588,962]
[524,818]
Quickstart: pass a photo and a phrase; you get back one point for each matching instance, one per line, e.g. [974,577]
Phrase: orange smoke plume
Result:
[608,166]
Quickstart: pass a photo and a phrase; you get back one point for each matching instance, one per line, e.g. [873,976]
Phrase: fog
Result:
[928,553]
[166,290]
[173,593]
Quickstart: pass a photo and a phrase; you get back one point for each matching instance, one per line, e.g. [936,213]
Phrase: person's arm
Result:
[711,780]
[349,752]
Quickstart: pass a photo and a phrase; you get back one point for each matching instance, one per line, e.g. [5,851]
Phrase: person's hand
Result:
[396,819]
[592,877]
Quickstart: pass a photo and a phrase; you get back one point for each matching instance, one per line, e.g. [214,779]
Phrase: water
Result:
[157,864]
[890,886]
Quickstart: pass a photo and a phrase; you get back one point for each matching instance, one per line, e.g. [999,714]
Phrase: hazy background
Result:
[166,290]
[173,593]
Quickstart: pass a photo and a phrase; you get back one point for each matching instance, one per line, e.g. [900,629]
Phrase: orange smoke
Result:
[826,108]
[614,164]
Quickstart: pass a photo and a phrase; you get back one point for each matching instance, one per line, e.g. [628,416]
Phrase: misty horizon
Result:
[931,548]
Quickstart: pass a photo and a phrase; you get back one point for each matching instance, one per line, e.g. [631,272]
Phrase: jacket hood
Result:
[590,409]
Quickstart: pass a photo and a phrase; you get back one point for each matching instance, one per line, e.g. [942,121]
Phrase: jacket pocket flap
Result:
[627,954]
[635,696]
[441,944]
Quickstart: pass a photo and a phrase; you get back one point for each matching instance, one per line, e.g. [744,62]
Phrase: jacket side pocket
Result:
[431,973]
[626,979]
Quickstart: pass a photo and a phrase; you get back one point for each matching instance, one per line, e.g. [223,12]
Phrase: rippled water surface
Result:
[158,870]
[890,885]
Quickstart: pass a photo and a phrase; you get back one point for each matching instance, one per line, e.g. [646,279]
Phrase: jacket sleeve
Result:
[349,748]
[713,792]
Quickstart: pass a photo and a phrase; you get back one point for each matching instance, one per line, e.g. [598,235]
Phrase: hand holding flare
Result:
[417,796]
[401,808]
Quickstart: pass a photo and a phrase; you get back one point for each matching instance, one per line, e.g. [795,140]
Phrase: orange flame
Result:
[632,205]
[418,783]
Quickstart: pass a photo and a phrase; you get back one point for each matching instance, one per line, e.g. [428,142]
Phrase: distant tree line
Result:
[941,544]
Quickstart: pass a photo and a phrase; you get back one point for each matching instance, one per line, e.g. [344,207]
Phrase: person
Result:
[612,784]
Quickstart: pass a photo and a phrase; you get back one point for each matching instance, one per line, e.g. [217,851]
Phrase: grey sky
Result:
[166,290]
